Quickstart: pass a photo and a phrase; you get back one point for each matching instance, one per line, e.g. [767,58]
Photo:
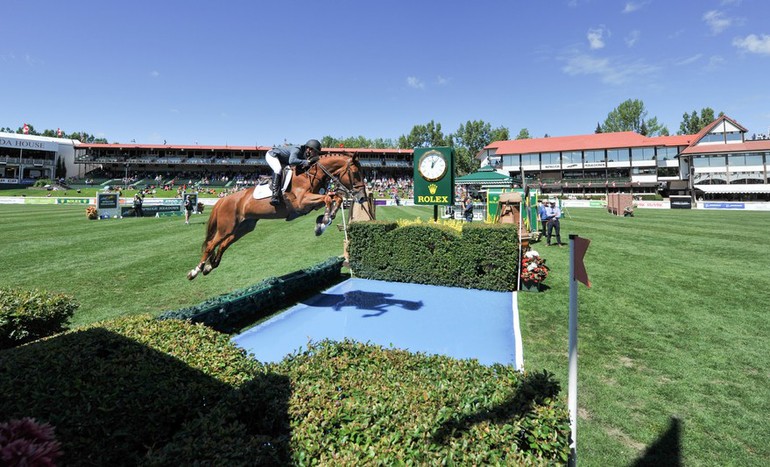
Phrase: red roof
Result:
[624,139]
[748,146]
[163,147]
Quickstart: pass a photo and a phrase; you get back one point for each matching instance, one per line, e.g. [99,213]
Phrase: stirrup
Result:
[275,200]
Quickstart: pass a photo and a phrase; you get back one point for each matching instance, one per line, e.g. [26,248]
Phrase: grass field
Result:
[674,334]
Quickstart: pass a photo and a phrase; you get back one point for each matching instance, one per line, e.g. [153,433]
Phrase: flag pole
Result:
[573,355]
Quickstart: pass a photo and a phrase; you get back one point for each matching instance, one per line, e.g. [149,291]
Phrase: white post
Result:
[573,355]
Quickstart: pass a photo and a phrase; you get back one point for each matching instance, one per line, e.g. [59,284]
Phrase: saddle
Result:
[262,189]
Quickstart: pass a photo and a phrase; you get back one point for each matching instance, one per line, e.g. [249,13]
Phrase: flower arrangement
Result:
[533,268]
[91,212]
[28,442]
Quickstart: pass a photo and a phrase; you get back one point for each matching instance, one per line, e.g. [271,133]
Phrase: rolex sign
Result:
[434,176]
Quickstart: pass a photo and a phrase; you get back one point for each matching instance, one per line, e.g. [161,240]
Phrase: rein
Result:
[336,180]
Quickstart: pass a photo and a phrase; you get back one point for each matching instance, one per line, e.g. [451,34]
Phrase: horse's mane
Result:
[338,154]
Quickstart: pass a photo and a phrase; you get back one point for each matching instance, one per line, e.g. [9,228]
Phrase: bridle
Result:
[360,187]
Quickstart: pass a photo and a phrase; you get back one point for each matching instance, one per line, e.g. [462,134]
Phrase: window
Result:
[530,159]
[513,160]
[734,136]
[571,157]
[713,138]
[595,156]
[643,154]
[668,171]
[617,155]
[550,158]
[744,159]
[666,153]
[717,161]
[644,170]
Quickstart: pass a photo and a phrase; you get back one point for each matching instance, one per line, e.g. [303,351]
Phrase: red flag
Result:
[25,130]
[58,132]
[581,245]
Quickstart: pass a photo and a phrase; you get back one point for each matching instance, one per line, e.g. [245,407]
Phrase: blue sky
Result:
[261,73]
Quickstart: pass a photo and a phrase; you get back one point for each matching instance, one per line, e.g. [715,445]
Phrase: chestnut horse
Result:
[237,214]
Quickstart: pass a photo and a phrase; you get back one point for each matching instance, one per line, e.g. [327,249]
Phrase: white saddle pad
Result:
[264,191]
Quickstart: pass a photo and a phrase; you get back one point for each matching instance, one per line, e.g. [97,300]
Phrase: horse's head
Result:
[345,170]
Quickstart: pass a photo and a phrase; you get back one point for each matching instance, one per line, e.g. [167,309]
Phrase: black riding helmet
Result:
[314,144]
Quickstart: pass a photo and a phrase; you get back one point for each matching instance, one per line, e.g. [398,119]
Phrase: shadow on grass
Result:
[114,401]
[666,451]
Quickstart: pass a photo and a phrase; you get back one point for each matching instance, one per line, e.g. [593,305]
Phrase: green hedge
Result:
[27,315]
[230,311]
[141,391]
[484,256]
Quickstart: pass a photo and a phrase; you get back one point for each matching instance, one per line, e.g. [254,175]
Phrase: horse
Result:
[237,214]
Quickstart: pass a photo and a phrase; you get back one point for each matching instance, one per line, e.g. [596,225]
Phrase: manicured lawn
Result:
[674,328]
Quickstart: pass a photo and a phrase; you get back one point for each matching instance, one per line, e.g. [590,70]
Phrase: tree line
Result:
[472,136]
[81,136]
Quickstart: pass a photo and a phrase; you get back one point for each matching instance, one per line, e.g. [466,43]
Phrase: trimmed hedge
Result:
[27,315]
[141,391]
[484,256]
[115,389]
[229,311]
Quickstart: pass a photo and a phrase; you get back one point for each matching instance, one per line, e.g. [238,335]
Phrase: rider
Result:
[279,157]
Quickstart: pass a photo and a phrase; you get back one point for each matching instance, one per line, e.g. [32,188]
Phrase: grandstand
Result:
[217,167]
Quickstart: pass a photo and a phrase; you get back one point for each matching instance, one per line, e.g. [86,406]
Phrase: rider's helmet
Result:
[314,144]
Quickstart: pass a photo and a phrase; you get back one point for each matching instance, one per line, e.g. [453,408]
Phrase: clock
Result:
[432,166]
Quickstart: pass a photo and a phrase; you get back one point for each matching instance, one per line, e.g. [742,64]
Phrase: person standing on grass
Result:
[553,214]
[138,212]
[188,207]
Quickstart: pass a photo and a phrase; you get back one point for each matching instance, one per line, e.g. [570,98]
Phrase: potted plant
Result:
[533,271]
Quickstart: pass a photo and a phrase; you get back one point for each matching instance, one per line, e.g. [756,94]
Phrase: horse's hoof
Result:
[207,269]
[192,275]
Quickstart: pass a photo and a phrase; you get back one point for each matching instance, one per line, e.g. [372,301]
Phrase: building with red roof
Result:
[716,163]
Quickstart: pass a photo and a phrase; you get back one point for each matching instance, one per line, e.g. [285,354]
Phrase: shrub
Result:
[29,315]
[115,389]
[482,256]
[140,391]
[356,404]
[227,312]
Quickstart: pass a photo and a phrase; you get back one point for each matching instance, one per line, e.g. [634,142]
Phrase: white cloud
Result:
[716,21]
[414,82]
[441,81]
[596,37]
[690,60]
[632,38]
[715,62]
[154,73]
[633,6]
[608,71]
[754,43]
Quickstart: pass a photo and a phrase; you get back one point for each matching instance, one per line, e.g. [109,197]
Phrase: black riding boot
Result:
[275,186]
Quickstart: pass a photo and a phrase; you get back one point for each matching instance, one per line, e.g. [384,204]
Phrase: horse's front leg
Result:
[333,203]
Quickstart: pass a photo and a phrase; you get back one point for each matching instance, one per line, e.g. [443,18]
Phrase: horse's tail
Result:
[211,227]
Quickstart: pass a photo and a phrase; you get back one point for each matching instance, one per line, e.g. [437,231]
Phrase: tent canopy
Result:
[485,176]
[735,188]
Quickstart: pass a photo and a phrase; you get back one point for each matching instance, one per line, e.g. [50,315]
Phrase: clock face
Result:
[432,166]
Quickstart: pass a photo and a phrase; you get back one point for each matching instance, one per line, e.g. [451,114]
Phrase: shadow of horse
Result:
[378,302]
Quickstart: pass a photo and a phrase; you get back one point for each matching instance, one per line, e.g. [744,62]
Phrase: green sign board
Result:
[434,176]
